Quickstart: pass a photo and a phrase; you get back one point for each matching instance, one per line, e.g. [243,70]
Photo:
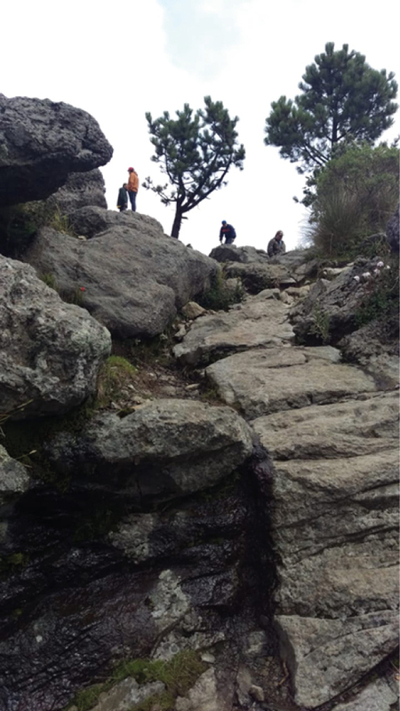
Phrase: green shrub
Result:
[114,375]
[220,296]
[19,223]
[356,194]
[178,675]
[381,300]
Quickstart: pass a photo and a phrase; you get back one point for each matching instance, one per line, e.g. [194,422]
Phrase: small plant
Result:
[60,222]
[220,296]
[382,296]
[73,296]
[114,375]
[178,675]
[321,324]
[49,279]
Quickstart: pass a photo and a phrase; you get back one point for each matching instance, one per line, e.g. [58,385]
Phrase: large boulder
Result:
[257,276]
[41,142]
[134,282]
[90,220]
[50,351]
[80,190]
[164,449]
[260,321]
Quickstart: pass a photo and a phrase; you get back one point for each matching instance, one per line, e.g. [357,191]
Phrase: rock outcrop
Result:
[165,449]
[80,190]
[41,143]
[134,282]
[50,351]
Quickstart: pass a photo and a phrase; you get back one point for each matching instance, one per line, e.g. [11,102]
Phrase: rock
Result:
[50,352]
[392,231]
[41,143]
[80,190]
[330,310]
[14,478]
[378,696]
[256,276]
[345,429]
[245,255]
[375,347]
[92,220]
[257,322]
[164,449]
[203,696]
[191,310]
[134,282]
[331,655]
[127,693]
[335,524]
[266,380]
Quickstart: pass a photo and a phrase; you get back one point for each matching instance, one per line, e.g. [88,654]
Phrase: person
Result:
[133,186]
[276,245]
[122,202]
[228,231]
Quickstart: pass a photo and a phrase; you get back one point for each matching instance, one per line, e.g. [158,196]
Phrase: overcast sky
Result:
[119,60]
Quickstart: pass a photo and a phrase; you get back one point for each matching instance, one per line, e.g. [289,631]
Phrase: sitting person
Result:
[276,245]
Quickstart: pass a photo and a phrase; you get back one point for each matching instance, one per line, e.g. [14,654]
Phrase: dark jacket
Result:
[122,198]
[228,231]
[276,246]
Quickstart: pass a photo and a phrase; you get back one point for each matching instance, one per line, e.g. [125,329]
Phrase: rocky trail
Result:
[198,507]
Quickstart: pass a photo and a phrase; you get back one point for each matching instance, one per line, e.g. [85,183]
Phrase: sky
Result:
[120,60]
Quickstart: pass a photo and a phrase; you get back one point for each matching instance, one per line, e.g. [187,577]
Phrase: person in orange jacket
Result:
[133,187]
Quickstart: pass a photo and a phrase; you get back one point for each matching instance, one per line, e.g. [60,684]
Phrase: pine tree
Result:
[195,151]
[343,100]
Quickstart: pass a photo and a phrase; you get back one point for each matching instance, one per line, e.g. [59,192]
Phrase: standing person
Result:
[133,187]
[276,245]
[228,231]
[122,202]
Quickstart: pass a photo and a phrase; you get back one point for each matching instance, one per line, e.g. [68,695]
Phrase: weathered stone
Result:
[257,276]
[127,693]
[330,310]
[134,282]
[14,478]
[375,347]
[165,448]
[326,653]
[245,255]
[257,322]
[91,220]
[41,142]
[191,310]
[345,429]
[80,190]
[50,352]
[267,380]
[378,696]
[202,696]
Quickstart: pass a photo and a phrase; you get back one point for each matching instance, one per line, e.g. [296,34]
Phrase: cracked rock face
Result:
[50,351]
[41,142]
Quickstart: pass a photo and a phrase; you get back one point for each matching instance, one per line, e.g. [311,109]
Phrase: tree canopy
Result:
[195,151]
[343,99]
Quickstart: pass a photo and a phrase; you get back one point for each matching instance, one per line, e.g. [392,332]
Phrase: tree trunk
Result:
[177,223]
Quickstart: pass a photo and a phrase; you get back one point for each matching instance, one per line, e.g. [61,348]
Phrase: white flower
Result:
[387,266]
[366,275]
[356,278]
[380,265]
